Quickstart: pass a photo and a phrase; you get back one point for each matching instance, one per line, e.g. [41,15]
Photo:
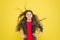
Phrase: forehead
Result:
[28,13]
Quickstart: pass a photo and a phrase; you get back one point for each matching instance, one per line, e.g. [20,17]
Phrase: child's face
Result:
[28,15]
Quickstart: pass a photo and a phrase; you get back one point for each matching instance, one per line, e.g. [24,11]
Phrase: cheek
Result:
[31,16]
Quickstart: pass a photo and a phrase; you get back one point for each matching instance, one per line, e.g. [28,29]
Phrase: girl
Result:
[29,23]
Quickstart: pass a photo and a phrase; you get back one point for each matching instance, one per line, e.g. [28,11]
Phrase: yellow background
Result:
[43,8]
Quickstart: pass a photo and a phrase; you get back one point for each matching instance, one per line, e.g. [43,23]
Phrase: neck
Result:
[29,20]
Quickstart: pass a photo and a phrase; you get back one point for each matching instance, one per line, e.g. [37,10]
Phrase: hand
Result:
[23,36]
[35,35]
[38,34]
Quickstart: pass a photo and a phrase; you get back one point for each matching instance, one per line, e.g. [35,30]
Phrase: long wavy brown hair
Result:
[20,22]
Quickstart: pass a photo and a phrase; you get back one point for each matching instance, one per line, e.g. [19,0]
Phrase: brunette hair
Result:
[34,19]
